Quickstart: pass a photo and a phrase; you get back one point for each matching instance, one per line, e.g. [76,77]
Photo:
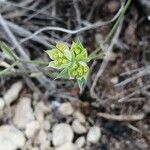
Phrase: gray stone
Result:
[2,104]
[41,137]
[45,145]
[67,146]
[78,127]
[11,138]
[13,92]
[94,134]
[32,129]
[62,133]
[46,125]
[23,113]
[80,142]
[40,110]
[66,109]
[79,116]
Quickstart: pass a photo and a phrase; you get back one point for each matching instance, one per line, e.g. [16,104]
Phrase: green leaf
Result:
[81,83]
[54,64]
[7,51]
[63,73]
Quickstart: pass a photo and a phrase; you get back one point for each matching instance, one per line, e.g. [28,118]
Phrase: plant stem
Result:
[29,73]
[108,37]
[117,22]
[36,62]
[7,69]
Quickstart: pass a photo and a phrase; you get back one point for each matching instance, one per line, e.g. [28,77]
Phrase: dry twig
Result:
[136,76]
[134,117]
[127,98]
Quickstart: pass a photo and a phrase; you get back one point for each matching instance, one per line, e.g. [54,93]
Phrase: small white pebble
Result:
[35,148]
[66,109]
[78,127]
[2,1]
[23,113]
[41,137]
[94,134]
[112,6]
[13,92]
[62,133]
[49,136]
[46,125]
[45,145]
[80,142]
[2,104]
[79,116]
[40,110]
[32,128]
[67,146]
[114,80]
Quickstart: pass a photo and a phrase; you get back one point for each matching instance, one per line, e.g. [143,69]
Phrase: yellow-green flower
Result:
[79,70]
[60,55]
[79,52]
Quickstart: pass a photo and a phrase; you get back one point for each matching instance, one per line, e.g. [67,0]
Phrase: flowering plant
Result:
[71,61]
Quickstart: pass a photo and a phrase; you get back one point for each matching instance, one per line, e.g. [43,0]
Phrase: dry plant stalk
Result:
[134,117]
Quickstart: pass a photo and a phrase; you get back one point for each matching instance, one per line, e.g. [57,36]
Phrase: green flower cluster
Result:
[78,70]
[72,61]
[58,56]
[79,52]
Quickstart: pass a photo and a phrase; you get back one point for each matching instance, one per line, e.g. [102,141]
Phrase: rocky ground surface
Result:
[31,124]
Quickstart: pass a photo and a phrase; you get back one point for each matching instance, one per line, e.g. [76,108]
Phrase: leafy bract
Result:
[81,83]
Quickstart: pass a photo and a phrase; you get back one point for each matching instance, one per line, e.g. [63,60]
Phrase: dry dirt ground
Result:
[41,113]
